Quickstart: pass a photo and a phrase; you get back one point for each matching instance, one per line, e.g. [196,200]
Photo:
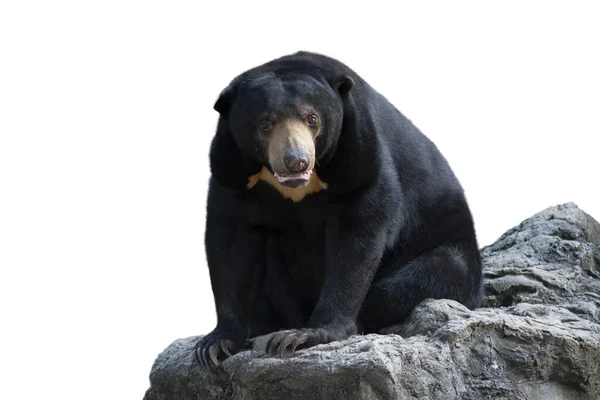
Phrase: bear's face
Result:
[285,123]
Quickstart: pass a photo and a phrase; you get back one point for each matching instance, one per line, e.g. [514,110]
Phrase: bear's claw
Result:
[211,351]
[293,339]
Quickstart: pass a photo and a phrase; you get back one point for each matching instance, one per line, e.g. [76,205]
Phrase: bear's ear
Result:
[354,159]
[343,84]
[227,164]
[223,103]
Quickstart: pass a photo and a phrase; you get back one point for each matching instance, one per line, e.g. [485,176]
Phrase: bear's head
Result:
[284,118]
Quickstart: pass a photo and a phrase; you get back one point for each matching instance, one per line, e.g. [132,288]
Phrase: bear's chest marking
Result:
[296,194]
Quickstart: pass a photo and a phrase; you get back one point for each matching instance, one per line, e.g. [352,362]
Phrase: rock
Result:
[537,336]
[550,258]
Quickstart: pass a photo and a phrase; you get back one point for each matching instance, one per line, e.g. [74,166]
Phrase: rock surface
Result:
[537,336]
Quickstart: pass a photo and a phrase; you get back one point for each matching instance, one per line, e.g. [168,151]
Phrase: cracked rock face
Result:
[537,336]
[550,258]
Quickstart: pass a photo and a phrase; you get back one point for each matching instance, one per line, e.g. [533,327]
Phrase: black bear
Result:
[329,213]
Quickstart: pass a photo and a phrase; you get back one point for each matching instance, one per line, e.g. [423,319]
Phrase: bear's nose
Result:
[296,162]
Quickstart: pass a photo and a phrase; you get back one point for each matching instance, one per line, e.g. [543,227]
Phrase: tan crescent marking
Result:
[296,194]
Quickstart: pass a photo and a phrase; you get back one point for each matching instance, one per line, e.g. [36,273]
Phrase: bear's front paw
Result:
[287,342]
[213,349]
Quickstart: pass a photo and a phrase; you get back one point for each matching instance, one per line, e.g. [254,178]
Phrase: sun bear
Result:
[329,213]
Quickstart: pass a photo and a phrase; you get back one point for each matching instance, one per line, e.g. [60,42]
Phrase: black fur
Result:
[392,229]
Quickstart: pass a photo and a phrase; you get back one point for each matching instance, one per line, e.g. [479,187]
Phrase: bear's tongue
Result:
[292,177]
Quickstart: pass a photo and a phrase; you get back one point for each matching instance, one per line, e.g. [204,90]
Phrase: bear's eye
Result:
[265,125]
[312,120]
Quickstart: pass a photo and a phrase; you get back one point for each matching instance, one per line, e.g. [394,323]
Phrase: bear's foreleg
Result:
[235,255]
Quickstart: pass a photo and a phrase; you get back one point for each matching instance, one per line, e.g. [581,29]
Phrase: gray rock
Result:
[550,258]
[537,336]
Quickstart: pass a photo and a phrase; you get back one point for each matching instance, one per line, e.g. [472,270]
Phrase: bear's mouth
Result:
[294,180]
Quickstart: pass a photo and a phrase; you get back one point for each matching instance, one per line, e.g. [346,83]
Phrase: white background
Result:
[106,117]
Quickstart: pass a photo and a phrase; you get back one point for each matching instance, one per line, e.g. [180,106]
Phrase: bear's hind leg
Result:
[447,272]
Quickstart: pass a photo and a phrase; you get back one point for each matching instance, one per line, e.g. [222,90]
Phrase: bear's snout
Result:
[296,160]
[291,151]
